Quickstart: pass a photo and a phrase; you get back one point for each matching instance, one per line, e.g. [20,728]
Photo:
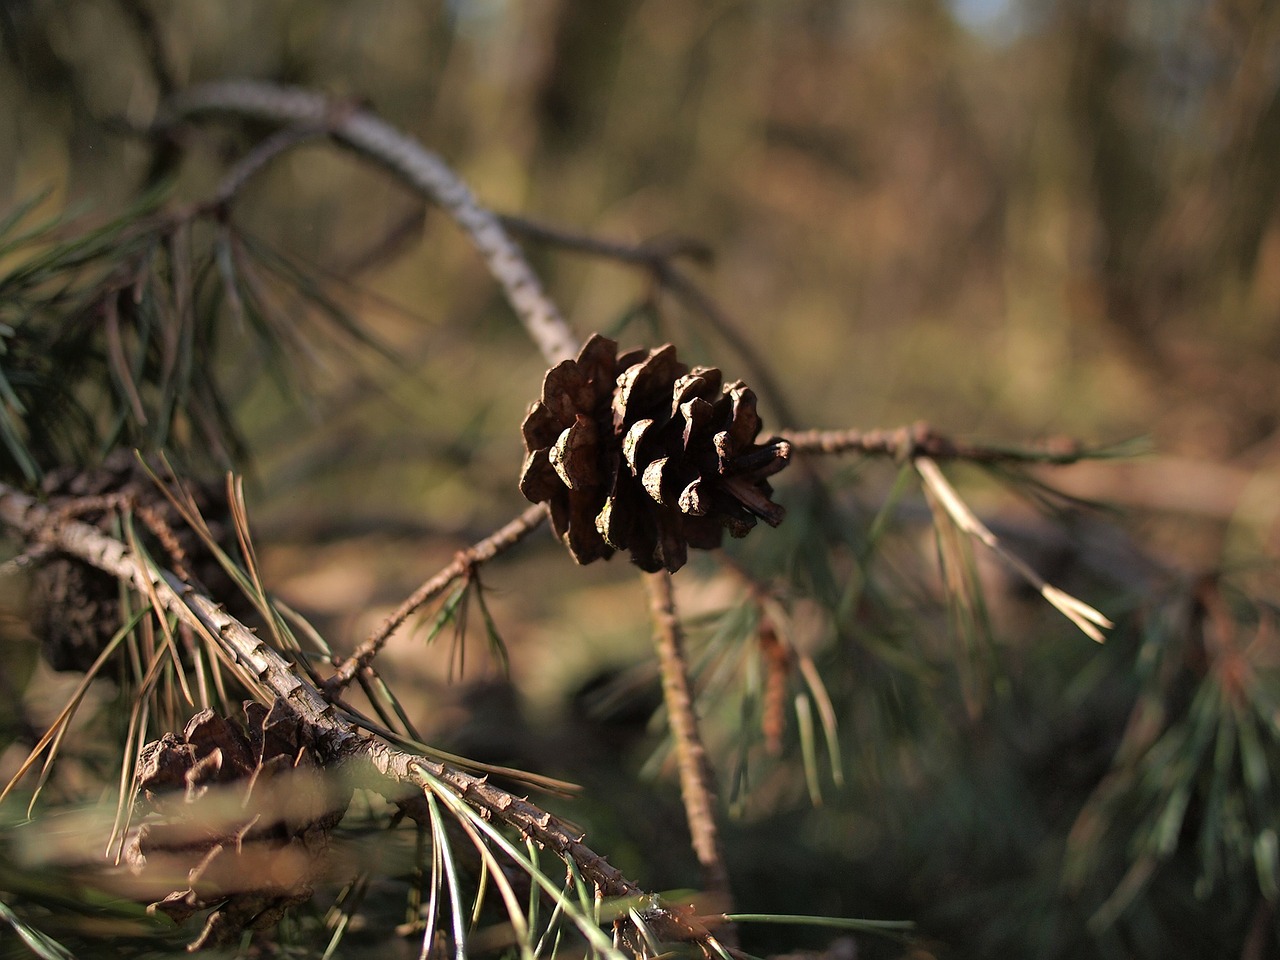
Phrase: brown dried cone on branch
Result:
[75,609]
[638,452]
[240,821]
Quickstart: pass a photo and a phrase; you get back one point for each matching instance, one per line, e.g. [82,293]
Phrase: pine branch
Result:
[479,553]
[921,440]
[1088,620]
[398,774]
[366,133]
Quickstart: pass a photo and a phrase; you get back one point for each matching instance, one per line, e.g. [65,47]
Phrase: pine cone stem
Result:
[498,542]
[697,779]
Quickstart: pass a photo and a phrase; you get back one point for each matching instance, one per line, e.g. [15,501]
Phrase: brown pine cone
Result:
[238,821]
[638,452]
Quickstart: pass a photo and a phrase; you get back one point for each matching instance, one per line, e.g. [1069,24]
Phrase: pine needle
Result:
[840,923]
[440,840]
[826,714]
[588,926]
[71,706]
[134,741]
[804,724]
[144,562]
[37,941]
[1086,618]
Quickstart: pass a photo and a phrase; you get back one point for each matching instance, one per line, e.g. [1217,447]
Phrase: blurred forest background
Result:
[1013,219]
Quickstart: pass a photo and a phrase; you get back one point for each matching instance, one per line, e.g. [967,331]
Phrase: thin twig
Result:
[650,253]
[150,37]
[695,298]
[659,257]
[393,772]
[383,249]
[919,439]
[368,134]
[697,780]
[479,553]
[264,152]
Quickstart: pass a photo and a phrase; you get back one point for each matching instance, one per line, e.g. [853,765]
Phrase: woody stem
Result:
[697,780]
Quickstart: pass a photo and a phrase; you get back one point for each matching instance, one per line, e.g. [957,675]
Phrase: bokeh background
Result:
[1008,218]
[1014,219]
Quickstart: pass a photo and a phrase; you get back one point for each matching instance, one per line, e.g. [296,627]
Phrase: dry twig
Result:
[921,440]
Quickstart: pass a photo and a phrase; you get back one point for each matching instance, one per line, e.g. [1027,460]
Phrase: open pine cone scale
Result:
[639,452]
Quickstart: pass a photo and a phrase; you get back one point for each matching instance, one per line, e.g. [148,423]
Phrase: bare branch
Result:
[697,781]
[920,439]
[659,258]
[363,131]
[267,150]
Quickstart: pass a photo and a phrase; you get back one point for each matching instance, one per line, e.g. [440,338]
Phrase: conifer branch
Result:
[363,131]
[479,553]
[921,440]
[398,774]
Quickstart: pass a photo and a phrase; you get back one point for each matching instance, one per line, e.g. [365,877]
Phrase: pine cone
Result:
[243,816]
[638,452]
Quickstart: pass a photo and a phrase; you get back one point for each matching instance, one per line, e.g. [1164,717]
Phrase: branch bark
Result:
[368,134]
[396,773]
[921,440]
[697,780]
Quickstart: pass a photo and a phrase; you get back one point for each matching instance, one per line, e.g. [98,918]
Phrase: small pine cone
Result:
[638,452]
[243,816]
